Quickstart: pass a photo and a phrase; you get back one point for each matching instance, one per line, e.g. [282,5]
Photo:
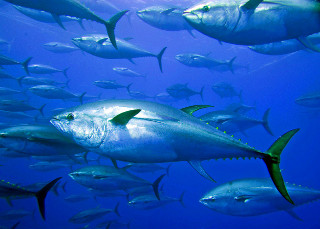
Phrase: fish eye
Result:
[70,117]
[205,8]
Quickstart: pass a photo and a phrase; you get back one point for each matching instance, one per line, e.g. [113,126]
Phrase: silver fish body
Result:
[240,23]
[250,197]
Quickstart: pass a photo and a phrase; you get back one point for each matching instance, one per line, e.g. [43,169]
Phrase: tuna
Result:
[102,177]
[232,122]
[254,22]
[108,84]
[147,132]
[71,8]
[127,72]
[34,81]
[46,69]
[182,91]
[18,106]
[99,45]
[38,140]
[58,47]
[90,215]
[165,18]
[225,90]
[146,202]
[8,91]
[15,214]
[44,16]
[310,100]
[256,196]
[9,190]
[199,61]
[4,60]
[53,92]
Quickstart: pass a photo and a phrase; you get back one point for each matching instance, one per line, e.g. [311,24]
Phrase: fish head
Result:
[190,59]
[308,101]
[183,58]
[120,69]
[221,198]
[94,176]
[87,43]
[213,18]
[86,128]
[147,14]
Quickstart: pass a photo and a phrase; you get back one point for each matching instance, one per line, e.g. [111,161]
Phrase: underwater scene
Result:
[159,114]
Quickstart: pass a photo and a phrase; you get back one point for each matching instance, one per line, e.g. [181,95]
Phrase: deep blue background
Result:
[272,81]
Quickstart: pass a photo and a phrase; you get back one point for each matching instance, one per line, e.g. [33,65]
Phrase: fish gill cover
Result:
[129,102]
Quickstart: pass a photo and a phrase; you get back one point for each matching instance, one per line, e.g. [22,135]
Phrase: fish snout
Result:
[207,200]
[140,13]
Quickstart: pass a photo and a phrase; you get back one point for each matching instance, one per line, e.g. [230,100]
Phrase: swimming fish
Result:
[165,18]
[53,92]
[11,191]
[256,196]
[71,8]
[147,132]
[58,47]
[253,22]
[99,45]
[182,91]
[4,60]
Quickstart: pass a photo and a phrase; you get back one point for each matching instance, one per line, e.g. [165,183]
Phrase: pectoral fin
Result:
[191,109]
[58,20]
[125,117]
[243,198]
[101,41]
[166,12]
[306,43]
[198,167]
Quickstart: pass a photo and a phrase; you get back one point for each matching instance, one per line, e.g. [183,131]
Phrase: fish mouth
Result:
[139,13]
[207,200]
[203,201]
[72,175]
[76,41]
[57,123]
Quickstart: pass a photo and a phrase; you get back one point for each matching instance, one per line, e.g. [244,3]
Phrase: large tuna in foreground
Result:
[250,197]
[255,21]
[141,131]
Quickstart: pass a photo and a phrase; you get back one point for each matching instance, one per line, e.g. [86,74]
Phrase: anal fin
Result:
[293,214]
[198,167]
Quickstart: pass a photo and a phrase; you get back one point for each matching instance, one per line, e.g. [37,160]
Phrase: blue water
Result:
[271,82]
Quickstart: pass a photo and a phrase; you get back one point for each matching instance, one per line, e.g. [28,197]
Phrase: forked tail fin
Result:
[272,160]
[25,65]
[230,64]
[266,121]
[111,25]
[41,196]
[159,57]
[155,186]
[116,209]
